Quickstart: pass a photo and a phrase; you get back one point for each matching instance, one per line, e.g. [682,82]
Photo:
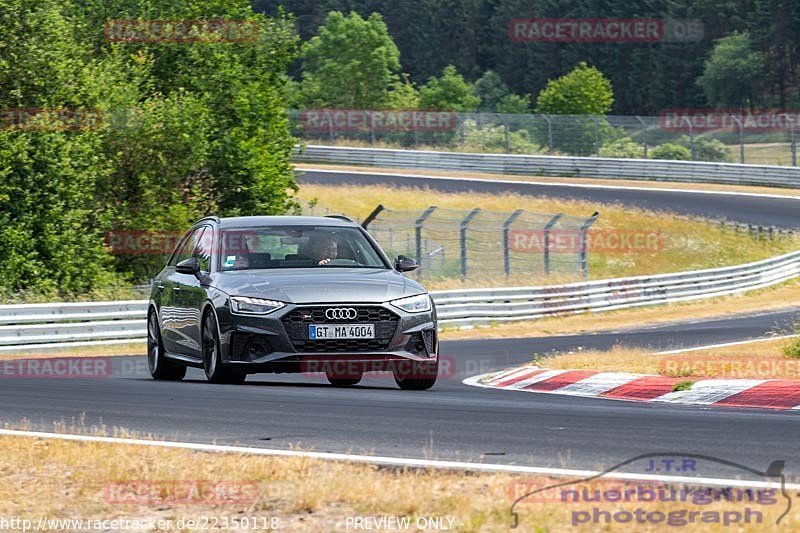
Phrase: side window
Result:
[204,247]
[183,250]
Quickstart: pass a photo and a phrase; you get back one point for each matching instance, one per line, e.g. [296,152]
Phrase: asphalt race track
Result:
[452,420]
[748,209]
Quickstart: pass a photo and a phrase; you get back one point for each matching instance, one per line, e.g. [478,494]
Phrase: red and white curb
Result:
[757,393]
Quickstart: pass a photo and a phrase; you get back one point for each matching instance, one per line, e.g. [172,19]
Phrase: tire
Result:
[160,367]
[216,371]
[344,380]
[416,375]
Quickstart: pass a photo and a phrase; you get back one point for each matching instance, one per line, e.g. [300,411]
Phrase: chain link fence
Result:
[478,244]
[766,138]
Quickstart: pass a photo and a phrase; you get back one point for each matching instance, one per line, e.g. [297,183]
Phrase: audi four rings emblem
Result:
[341,313]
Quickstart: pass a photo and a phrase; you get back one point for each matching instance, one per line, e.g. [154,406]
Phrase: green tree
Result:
[584,91]
[514,104]
[733,72]
[448,92]
[491,89]
[351,63]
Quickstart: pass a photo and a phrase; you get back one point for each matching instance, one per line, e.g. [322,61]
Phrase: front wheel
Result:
[160,367]
[216,371]
[416,375]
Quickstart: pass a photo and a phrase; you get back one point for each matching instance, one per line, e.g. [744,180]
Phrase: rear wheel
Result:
[416,375]
[160,367]
[216,371]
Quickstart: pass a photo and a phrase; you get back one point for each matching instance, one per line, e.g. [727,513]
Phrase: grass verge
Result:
[99,481]
[752,360]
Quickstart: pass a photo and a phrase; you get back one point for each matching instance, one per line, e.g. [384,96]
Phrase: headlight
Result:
[413,304]
[254,306]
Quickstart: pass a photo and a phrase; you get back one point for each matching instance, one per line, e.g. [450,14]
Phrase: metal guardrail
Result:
[538,165]
[72,324]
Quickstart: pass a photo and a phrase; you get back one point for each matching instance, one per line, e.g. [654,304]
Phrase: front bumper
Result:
[279,342]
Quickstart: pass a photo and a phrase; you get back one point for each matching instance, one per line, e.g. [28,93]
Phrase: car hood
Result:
[317,285]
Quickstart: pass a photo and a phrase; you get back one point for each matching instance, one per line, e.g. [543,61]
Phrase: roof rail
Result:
[341,217]
[215,218]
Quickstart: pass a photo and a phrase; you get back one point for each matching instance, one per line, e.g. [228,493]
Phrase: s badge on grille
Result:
[341,313]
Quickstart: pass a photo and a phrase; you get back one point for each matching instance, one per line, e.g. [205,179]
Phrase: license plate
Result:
[341,331]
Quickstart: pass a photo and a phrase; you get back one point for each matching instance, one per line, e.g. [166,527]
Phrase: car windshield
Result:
[297,247]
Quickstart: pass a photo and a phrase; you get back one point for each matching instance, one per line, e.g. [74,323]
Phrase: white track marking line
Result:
[554,184]
[399,461]
[598,384]
[726,344]
[709,391]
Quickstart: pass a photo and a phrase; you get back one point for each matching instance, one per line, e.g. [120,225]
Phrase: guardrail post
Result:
[506,252]
[583,252]
[418,233]
[463,240]
[547,228]
[372,216]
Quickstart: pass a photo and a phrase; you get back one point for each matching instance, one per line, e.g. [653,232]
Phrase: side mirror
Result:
[188,266]
[405,264]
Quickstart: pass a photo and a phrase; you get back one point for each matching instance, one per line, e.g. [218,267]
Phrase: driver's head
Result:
[323,247]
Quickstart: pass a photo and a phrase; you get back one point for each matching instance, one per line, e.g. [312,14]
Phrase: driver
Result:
[323,249]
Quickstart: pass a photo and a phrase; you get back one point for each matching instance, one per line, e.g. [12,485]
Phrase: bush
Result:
[671,151]
[706,149]
[792,349]
[625,148]
[492,139]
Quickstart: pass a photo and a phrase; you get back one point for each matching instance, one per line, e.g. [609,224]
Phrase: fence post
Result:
[506,253]
[584,263]
[794,147]
[505,131]
[549,133]
[547,228]
[371,127]
[418,233]
[691,140]
[741,137]
[596,134]
[463,240]
[644,134]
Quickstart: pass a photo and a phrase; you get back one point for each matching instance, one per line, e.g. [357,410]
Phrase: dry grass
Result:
[641,184]
[134,348]
[753,360]
[688,243]
[70,481]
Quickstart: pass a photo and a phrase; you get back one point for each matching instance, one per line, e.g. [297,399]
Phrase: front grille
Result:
[296,324]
